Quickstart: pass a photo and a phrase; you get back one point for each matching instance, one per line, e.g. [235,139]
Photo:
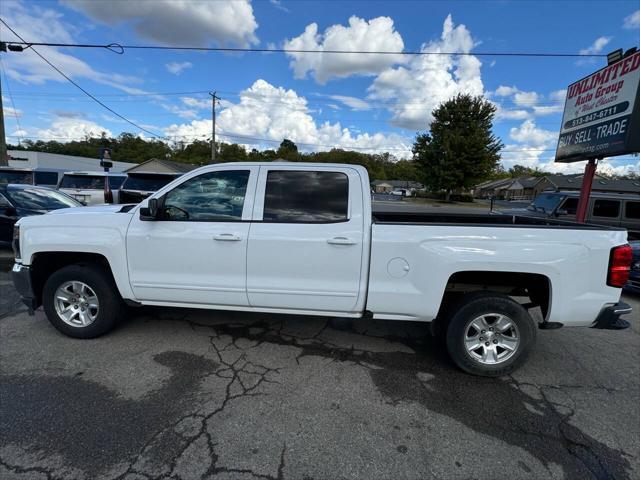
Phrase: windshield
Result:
[90,182]
[24,178]
[545,202]
[147,183]
[40,199]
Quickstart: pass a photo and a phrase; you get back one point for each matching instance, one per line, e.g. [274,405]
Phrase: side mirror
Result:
[10,212]
[151,211]
[153,207]
[561,212]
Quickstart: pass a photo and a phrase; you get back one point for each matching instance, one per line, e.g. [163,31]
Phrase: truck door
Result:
[306,240]
[196,252]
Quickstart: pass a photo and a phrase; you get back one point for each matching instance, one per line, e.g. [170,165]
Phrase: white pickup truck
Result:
[297,238]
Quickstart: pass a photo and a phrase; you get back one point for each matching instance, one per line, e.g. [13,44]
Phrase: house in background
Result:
[156,165]
[527,188]
[388,186]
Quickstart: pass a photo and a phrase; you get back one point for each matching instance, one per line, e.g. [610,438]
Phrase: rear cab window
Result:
[90,182]
[306,196]
[147,183]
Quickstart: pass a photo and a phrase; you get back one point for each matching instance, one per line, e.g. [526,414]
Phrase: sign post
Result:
[106,163]
[601,119]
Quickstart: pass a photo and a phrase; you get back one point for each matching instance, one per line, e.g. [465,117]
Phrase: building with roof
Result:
[388,186]
[156,165]
[60,163]
[527,188]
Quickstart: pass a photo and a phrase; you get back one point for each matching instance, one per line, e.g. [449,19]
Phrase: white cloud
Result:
[416,89]
[45,25]
[352,102]
[179,22]
[531,104]
[503,91]
[286,115]
[594,49]
[181,112]
[377,34]
[10,111]
[542,110]
[200,103]
[507,114]
[529,134]
[278,5]
[178,67]
[525,98]
[632,21]
[67,129]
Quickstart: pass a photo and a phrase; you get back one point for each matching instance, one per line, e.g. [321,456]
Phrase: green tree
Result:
[460,150]
[288,151]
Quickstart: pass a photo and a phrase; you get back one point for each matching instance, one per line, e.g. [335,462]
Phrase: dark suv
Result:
[611,209]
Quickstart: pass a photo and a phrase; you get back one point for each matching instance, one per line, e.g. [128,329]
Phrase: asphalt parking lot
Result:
[202,394]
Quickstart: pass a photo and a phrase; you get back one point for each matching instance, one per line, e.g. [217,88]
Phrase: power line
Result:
[120,49]
[13,104]
[80,88]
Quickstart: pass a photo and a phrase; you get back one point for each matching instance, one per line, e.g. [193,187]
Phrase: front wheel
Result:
[490,334]
[81,301]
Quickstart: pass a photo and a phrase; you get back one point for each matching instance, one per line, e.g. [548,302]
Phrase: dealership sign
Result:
[602,113]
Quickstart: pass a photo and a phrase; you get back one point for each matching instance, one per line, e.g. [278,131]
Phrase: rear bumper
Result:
[609,318]
[21,276]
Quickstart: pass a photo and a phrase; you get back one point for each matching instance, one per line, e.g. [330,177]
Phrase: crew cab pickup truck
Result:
[297,238]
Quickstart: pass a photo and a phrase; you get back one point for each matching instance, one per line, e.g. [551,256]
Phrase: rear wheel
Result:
[81,301]
[490,334]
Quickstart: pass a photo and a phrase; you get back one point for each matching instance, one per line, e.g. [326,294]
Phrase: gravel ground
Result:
[188,394]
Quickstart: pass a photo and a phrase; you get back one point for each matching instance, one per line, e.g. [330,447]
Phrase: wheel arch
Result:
[44,264]
[537,287]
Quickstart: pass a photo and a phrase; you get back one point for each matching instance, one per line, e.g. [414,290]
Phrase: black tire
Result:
[110,303]
[476,305]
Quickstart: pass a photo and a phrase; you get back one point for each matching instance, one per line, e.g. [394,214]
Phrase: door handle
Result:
[227,237]
[341,241]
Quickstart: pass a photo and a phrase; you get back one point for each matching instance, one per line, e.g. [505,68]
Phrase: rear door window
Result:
[83,182]
[606,208]
[306,197]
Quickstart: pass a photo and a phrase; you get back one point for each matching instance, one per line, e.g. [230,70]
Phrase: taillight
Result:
[619,266]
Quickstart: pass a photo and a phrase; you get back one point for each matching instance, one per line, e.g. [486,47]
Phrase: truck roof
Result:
[612,195]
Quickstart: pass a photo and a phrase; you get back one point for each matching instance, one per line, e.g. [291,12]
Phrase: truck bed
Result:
[492,220]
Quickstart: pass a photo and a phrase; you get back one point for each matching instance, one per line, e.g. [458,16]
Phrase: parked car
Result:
[17,201]
[300,238]
[88,187]
[138,186]
[613,209]
[633,285]
[29,176]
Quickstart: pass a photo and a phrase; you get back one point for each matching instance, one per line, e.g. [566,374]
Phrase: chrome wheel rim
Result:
[76,304]
[491,338]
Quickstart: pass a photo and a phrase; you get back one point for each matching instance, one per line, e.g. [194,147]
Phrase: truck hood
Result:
[95,209]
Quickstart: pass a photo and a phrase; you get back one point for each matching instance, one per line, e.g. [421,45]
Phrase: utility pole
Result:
[213,126]
[4,158]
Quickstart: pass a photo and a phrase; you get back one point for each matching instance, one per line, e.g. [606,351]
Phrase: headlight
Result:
[15,244]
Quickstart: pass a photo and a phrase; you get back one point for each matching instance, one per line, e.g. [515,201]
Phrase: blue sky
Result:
[366,102]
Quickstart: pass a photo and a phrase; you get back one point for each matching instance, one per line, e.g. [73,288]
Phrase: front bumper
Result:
[609,318]
[21,276]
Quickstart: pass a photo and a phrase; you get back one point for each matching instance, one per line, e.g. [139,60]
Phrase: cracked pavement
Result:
[187,394]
